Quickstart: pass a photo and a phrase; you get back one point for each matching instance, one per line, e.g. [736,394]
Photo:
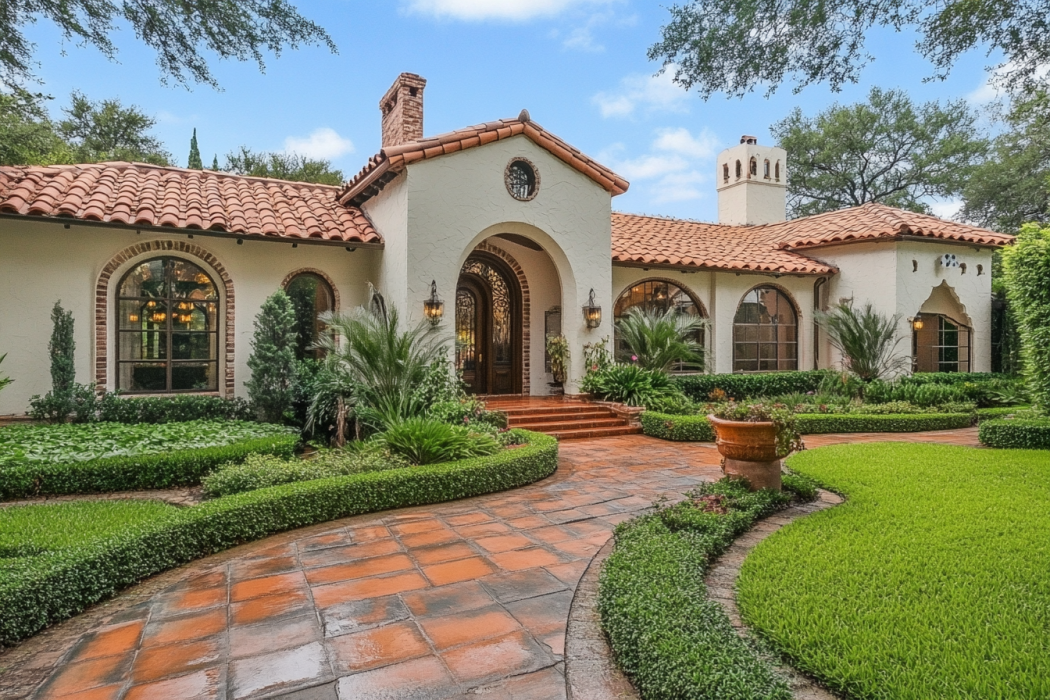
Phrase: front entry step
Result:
[565,419]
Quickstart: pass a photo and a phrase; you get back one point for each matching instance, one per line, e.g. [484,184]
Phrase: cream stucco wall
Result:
[456,201]
[898,277]
[42,262]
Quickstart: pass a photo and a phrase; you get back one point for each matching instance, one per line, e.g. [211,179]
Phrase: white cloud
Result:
[946,209]
[507,10]
[991,89]
[582,39]
[680,187]
[321,144]
[703,146]
[673,169]
[651,93]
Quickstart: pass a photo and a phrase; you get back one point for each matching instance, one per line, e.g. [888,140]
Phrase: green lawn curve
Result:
[931,581]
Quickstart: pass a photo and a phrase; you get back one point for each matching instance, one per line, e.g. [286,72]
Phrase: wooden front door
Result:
[488,327]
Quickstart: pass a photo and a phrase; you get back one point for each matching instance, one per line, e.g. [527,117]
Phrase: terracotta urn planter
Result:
[750,451]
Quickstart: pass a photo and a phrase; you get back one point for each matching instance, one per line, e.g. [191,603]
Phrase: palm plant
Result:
[867,340]
[384,363]
[657,340]
[4,381]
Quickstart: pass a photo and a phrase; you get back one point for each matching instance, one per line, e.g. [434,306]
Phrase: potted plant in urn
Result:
[753,438]
[558,351]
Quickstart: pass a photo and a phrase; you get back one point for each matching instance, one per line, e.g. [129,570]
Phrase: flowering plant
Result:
[782,418]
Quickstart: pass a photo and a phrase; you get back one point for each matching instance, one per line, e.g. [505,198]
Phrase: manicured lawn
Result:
[931,581]
[30,530]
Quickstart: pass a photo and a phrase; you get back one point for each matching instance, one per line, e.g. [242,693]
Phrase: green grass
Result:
[31,530]
[931,581]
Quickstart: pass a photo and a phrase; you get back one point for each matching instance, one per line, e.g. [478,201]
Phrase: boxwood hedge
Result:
[40,590]
[134,472]
[1016,433]
[698,387]
[697,429]
[984,414]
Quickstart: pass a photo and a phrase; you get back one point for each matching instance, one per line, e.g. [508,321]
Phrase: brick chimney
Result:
[402,109]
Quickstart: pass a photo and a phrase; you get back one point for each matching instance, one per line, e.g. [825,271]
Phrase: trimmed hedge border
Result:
[1016,433]
[984,414]
[743,386]
[57,585]
[133,472]
[697,429]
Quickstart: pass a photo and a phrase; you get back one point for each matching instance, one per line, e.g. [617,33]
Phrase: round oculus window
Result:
[523,182]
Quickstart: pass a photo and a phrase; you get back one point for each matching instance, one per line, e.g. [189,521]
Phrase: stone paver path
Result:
[460,600]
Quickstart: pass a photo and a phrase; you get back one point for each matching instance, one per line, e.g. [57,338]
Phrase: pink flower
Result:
[634,358]
[594,368]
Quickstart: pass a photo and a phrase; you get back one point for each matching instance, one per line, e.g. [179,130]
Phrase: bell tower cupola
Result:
[752,184]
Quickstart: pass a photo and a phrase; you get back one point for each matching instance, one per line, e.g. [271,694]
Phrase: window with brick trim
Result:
[765,332]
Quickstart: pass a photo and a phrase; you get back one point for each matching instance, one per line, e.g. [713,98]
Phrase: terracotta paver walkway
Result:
[464,599]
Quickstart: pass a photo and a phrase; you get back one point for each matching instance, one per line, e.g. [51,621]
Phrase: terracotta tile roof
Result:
[137,194]
[871,221]
[781,247]
[389,162]
[651,240]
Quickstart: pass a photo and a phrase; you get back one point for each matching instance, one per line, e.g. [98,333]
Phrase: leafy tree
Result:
[282,166]
[1013,186]
[887,150]
[734,46]
[1026,265]
[661,339]
[866,339]
[194,162]
[178,30]
[27,135]
[272,362]
[107,130]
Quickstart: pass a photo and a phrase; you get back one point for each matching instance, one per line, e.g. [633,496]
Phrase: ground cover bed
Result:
[95,457]
[928,582]
[52,580]
[670,639]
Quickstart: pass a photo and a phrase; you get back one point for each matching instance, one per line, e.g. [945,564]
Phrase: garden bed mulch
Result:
[188,496]
[721,582]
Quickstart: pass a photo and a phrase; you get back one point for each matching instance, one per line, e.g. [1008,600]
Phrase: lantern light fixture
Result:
[592,313]
[434,308]
[916,323]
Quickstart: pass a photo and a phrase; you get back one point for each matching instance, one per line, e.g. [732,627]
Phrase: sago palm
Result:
[660,339]
[866,339]
[384,362]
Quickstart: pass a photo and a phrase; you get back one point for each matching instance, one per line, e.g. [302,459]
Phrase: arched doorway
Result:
[489,326]
[941,333]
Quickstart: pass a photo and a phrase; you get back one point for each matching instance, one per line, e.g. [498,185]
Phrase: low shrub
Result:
[38,591]
[66,459]
[466,411]
[667,635]
[114,408]
[429,441]
[628,384]
[678,428]
[262,471]
[699,387]
[816,424]
[1016,433]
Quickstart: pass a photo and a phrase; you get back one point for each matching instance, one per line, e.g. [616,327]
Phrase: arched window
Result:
[765,170]
[940,344]
[765,332]
[753,168]
[738,171]
[657,295]
[168,311]
[776,171]
[725,172]
[311,296]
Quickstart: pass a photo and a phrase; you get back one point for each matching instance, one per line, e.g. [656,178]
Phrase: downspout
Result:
[818,288]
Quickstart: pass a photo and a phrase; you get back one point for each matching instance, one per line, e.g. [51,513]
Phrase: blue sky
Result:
[579,66]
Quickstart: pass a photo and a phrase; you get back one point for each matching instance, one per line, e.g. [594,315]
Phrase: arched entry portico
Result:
[942,334]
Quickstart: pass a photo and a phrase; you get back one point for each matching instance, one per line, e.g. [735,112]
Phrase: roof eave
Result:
[211,233]
[830,270]
[801,249]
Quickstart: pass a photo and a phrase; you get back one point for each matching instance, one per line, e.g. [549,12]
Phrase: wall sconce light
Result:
[592,313]
[434,308]
[133,317]
[916,323]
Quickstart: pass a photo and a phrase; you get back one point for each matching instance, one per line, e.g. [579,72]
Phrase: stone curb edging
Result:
[721,580]
[590,671]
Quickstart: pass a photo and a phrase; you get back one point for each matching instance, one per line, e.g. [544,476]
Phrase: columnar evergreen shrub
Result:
[1026,266]
[66,396]
[273,365]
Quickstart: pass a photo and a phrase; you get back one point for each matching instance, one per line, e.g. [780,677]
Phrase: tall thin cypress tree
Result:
[195,154]
[215,162]
[62,349]
[272,361]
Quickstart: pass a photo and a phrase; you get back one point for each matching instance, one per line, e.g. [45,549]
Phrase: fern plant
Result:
[867,340]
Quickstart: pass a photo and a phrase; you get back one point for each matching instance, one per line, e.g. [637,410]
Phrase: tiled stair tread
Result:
[554,425]
[548,417]
[581,408]
[596,432]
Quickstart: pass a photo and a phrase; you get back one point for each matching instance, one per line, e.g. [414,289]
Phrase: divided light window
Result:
[765,332]
[168,311]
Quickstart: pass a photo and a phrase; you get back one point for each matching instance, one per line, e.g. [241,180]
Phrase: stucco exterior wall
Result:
[388,212]
[42,262]
[459,200]
[898,277]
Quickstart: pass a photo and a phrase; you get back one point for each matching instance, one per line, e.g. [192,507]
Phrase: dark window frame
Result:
[782,350]
[619,353]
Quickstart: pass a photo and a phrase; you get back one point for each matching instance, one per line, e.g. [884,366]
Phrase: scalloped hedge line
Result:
[1016,433]
[133,472]
[697,429]
[44,589]
[744,386]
